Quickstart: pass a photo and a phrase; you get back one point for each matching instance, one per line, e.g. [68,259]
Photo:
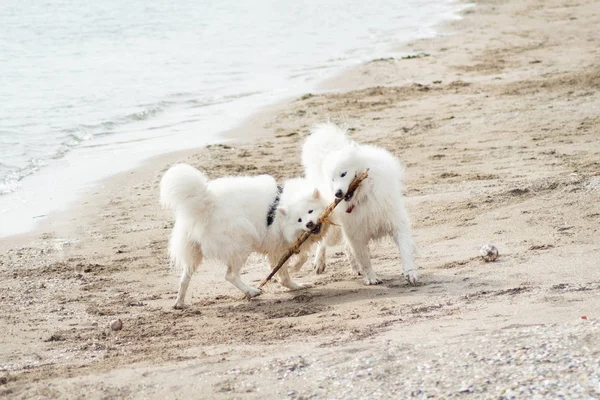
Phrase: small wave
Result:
[241,95]
[199,103]
[87,131]
[74,139]
[145,114]
[84,132]
[11,176]
[119,142]
[315,68]
[181,94]
[10,183]
[83,135]
[60,153]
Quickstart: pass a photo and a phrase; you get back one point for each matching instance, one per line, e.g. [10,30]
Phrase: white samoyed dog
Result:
[376,210]
[227,219]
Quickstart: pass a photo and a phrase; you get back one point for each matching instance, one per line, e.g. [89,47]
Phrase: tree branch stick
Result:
[295,249]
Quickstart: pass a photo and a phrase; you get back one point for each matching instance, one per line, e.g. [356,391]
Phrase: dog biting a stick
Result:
[323,219]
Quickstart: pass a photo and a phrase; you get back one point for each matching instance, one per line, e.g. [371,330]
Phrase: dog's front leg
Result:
[320,257]
[360,251]
[233,276]
[356,269]
[332,238]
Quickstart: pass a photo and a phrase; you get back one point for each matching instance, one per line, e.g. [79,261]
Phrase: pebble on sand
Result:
[489,252]
[116,325]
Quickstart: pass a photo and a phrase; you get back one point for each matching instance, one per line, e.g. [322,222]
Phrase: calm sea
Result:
[89,88]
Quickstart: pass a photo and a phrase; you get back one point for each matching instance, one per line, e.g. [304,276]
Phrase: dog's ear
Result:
[282,210]
[316,194]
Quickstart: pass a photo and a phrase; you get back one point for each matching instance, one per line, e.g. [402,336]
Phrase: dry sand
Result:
[497,124]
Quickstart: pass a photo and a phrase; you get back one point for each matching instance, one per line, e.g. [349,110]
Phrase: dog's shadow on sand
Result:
[325,296]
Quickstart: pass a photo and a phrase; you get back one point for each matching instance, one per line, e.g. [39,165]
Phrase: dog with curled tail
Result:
[376,210]
[229,218]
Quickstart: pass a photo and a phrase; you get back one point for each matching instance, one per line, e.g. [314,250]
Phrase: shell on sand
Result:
[489,252]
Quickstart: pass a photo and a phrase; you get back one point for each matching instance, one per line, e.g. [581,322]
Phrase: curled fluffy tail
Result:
[184,189]
[324,139]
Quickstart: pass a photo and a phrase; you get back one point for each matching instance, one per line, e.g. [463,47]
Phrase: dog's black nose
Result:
[310,224]
[339,194]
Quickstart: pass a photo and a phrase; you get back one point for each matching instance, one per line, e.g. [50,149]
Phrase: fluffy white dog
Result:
[227,219]
[376,210]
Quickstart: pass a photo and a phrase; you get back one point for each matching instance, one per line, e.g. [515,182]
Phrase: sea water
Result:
[90,88]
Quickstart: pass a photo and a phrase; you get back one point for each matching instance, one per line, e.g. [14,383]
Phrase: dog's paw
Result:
[253,292]
[354,267]
[299,286]
[291,285]
[179,306]
[320,267]
[373,280]
[412,277]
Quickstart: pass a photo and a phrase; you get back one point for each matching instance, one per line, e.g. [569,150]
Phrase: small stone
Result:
[116,325]
[489,252]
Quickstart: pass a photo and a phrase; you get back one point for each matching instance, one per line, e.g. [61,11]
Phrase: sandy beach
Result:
[497,123]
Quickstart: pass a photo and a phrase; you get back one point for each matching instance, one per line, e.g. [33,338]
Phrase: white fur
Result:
[377,207]
[225,219]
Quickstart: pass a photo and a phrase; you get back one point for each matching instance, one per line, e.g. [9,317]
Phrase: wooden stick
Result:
[295,249]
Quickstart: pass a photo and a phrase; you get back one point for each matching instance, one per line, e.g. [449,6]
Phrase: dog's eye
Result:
[343,175]
[299,219]
[310,211]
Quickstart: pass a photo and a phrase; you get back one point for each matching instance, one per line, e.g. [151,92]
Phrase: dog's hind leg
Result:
[233,275]
[352,260]
[403,238]
[189,257]
[286,280]
[360,251]
[184,282]
[283,274]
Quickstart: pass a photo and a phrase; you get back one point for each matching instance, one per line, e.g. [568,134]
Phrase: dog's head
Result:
[300,211]
[340,168]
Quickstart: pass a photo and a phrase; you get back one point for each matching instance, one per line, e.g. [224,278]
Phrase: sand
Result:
[497,123]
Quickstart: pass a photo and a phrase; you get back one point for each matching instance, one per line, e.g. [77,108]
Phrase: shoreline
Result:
[59,197]
[52,207]
[496,128]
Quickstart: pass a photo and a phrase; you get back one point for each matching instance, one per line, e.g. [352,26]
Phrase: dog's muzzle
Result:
[313,228]
[348,195]
[316,230]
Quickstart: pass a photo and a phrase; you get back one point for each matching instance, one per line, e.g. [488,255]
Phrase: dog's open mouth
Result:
[350,208]
[349,195]
[316,230]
